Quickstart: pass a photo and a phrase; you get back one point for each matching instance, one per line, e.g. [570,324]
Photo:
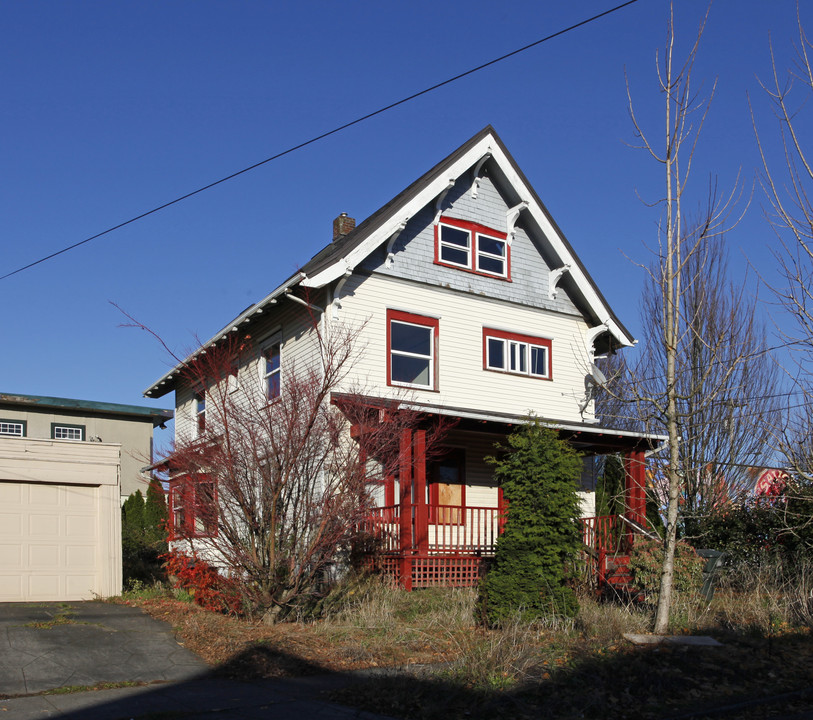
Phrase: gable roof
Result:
[344,254]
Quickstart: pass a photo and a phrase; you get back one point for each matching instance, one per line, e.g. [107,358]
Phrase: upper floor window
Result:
[515,353]
[15,428]
[67,432]
[412,350]
[272,371]
[473,247]
[200,412]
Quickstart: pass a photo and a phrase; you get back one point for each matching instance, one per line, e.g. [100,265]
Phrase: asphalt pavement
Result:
[47,649]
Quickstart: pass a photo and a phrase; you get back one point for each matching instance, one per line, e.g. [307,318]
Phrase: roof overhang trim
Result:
[167,381]
[487,146]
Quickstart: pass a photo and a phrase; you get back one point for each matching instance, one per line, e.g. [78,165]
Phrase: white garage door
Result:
[49,542]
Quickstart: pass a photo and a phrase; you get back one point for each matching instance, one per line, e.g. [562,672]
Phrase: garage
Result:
[60,531]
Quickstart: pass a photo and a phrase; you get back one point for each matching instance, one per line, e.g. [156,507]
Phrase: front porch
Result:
[426,533]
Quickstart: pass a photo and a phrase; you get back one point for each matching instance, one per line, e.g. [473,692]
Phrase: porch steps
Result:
[618,578]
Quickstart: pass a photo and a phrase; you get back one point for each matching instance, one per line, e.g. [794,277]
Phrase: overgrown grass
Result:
[138,590]
[563,668]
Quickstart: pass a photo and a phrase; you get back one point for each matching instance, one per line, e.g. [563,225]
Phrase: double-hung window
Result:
[15,428]
[193,507]
[272,371]
[200,413]
[473,247]
[177,499]
[516,353]
[412,350]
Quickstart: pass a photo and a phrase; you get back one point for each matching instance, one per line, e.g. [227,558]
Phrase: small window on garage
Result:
[15,428]
[60,431]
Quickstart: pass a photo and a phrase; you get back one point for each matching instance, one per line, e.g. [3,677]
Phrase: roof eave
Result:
[166,383]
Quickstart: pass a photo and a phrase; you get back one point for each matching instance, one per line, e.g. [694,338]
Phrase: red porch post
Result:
[635,498]
[405,490]
[421,510]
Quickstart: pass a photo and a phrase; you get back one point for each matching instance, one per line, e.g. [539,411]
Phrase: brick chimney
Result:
[342,225]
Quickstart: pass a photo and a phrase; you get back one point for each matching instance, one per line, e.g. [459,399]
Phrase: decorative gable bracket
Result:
[336,304]
[554,278]
[441,198]
[475,176]
[391,243]
[511,218]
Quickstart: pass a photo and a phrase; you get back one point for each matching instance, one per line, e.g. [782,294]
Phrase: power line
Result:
[321,137]
[726,361]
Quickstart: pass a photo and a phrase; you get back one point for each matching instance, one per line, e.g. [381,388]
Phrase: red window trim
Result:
[474,228]
[518,337]
[414,319]
[185,486]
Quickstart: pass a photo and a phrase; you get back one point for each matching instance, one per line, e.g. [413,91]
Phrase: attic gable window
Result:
[472,247]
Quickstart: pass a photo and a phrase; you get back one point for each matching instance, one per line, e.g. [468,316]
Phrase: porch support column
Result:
[635,479]
[405,491]
[421,510]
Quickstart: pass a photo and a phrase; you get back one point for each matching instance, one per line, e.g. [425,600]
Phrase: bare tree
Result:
[721,354]
[680,262]
[787,186]
[275,483]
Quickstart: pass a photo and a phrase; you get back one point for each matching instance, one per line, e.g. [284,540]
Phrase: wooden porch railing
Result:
[383,525]
[450,529]
[603,533]
[470,530]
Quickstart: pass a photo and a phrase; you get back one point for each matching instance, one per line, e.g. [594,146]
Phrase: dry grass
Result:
[581,668]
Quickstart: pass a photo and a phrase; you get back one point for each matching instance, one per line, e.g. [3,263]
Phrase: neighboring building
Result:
[52,418]
[474,306]
[65,466]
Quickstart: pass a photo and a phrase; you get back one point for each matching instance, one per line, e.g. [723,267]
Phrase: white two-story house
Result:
[473,305]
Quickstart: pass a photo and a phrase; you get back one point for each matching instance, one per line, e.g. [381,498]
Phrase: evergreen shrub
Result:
[538,474]
[144,535]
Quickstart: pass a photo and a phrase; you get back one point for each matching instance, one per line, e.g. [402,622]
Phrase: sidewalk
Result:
[202,697]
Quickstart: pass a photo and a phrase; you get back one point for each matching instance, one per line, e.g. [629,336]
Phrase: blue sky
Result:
[110,109]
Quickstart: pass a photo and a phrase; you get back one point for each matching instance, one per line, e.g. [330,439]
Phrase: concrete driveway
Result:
[50,645]
[44,646]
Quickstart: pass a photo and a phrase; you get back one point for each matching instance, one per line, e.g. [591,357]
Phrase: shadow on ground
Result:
[666,681]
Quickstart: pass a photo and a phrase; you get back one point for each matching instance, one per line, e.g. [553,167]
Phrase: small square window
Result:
[491,255]
[15,428]
[67,432]
[455,246]
[193,507]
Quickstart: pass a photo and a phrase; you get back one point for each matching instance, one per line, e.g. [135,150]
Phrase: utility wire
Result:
[321,137]
[726,361]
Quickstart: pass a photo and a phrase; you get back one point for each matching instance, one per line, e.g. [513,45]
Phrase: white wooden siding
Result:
[294,326]
[462,381]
